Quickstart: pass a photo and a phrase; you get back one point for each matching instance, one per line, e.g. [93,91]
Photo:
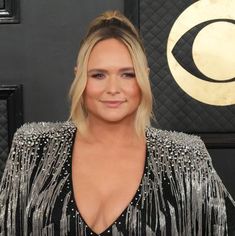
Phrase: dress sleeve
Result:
[219,203]
[13,188]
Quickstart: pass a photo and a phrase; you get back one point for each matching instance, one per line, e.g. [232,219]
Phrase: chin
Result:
[118,119]
[114,117]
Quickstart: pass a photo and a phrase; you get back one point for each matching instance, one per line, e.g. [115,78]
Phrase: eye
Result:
[98,76]
[128,75]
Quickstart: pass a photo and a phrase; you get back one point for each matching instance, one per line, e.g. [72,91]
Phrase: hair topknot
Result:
[112,18]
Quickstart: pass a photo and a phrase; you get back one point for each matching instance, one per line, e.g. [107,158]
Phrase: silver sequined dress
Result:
[180,193]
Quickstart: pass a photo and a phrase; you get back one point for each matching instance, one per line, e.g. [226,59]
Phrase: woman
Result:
[107,171]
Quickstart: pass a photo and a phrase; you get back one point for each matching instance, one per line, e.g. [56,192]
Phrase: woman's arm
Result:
[15,183]
[217,197]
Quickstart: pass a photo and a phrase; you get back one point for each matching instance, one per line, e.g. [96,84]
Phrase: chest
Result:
[104,183]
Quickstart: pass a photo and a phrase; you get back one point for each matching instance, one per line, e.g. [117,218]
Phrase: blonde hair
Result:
[112,24]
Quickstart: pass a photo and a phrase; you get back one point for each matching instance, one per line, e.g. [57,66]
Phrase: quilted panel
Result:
[1,4]
[3,135]
[174,109]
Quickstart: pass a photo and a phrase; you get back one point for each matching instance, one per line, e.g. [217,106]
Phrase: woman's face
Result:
[112,93]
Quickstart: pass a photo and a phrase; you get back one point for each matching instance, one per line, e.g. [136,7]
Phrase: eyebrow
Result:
[104,71]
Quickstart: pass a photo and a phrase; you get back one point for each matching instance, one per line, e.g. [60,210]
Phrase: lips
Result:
[113,103]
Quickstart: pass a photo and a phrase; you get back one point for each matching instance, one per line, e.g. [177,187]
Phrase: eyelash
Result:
[97,76]
[130,75]
[101,76]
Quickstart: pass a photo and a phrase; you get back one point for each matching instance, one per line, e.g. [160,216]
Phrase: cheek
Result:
[134,91]
[92,90]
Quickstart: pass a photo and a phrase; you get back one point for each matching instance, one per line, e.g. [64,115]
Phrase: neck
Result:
[113,133]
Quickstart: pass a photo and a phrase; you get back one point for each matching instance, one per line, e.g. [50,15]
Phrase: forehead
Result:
[110,52]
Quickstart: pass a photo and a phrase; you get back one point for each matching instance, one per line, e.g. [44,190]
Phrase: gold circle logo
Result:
[201,49]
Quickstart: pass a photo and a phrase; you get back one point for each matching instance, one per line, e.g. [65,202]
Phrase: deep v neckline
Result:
[134,201]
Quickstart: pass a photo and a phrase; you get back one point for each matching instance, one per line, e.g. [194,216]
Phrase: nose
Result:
[112,86]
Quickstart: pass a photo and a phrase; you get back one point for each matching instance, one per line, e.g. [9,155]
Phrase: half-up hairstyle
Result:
[112,24]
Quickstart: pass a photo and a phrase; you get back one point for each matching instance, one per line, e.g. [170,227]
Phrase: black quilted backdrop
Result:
[1,4]
[3,135]
[174,109]
[11,118]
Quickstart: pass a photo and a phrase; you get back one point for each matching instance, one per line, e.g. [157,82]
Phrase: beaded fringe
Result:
[182,159]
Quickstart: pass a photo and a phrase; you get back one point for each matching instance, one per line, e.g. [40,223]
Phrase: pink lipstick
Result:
[112,103]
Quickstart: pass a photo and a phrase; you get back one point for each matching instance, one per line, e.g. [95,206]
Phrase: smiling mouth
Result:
[113,103]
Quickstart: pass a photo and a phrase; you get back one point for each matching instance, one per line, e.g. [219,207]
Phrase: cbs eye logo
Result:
[201,51]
